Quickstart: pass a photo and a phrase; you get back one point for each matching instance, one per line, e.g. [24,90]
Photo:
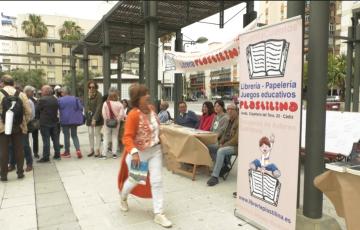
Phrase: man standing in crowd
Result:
[47,113]
[228,144]
[187,117]
[22,113]
[35,132]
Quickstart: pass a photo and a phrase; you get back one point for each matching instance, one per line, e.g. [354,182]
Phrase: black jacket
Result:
[47,111]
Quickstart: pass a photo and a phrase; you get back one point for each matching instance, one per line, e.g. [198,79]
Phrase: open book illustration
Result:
[139,175]
[267,58]
[264,187]
[169,62]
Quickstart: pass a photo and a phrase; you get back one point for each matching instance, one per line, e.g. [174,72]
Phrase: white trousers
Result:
[94,137]
[154,157]
[111,134]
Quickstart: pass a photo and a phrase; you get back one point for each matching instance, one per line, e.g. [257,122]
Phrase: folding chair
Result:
[232,162]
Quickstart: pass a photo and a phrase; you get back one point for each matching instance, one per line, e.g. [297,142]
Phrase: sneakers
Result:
[114,156]
[21,175]
[102,157]
[57,157]
[162,220]
[11,168]
[43,160]
[124,205]
[213,181]
[78,153]
[91,154]
[65,155]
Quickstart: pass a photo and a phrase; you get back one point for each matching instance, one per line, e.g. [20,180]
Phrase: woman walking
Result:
[141,140]
[71,116]
[94,120]
[113,113]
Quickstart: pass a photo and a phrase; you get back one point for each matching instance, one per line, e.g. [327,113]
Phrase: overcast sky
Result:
[96,9]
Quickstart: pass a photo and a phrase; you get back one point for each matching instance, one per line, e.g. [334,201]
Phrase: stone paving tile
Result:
[49,187]
[51,199]
[20,217]
[18,201]
[63,214]
[65,226]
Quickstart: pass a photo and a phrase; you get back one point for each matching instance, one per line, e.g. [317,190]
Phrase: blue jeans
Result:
[73,130]
[48,132]
[27,152]
[222,153]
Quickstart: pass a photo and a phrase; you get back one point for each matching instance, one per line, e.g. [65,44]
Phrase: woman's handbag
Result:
[354,157]
[112,122]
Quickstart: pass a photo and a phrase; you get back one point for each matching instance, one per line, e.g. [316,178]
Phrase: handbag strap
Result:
[112,115]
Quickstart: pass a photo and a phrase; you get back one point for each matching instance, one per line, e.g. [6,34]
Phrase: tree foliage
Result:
[34,27]
[80,81]
[70,31]
[23,77]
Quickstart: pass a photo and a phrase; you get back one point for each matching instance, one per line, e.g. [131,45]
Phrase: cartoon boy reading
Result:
[265,146]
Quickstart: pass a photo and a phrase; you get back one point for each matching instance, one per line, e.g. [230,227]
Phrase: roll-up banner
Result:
[270,68]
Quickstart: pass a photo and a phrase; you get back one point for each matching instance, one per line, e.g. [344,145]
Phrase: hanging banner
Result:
[269,124]
[223,56]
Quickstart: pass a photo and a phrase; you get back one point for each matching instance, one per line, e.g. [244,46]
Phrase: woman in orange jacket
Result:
[142,144]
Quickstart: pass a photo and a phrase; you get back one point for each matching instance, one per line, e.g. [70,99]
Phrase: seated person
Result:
[221,119]
[207,117]
[187,118]
[228,145]
[164,115]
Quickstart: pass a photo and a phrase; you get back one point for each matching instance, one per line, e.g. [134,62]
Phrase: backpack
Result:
[170,118]
[18,107]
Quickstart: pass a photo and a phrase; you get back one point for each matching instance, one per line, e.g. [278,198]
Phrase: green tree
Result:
[34,27]
[34,77]
[70,31]
[337,73]
[80,81]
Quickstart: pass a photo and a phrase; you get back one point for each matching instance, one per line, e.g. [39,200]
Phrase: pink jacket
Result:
[116,107]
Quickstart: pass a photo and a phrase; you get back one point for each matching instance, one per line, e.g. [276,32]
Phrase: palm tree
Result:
[70,31]
[34,27]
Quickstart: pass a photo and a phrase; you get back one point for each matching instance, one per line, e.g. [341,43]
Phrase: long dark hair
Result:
[221,103]
[209,106]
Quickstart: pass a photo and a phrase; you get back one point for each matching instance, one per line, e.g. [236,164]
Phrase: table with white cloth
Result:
[186,145]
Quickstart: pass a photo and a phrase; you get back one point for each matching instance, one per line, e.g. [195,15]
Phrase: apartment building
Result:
[275,11]
[347,8]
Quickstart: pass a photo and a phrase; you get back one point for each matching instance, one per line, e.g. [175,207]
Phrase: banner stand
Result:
[247,220]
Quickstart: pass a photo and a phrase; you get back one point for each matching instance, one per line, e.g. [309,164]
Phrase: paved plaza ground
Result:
[82,194]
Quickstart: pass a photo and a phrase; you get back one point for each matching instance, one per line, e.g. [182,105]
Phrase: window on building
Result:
[51,62]
[94,64]
[167,47]
[50,48]
[65,59]
[307,18]
[6,60]
[51,78]
[331,27]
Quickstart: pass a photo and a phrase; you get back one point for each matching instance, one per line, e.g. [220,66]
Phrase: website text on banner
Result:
[223,56]
[269,124]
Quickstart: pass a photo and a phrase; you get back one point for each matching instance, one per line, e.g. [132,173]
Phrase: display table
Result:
[185,145]
[343,189]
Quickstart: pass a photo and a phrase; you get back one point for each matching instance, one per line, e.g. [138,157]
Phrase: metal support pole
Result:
[250,13]
[316,114]
[221,14]
[86,72]
[153,51]
[73,72]
[106,59]
[119,78]
[141,65]
[349,63]
[178,87]
[147,43]
[295,8]
[356,71]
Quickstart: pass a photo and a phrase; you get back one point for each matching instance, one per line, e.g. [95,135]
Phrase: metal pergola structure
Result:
[131,24]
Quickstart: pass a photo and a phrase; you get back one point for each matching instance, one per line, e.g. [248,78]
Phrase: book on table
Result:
[139,174]
[354,170]
[264,187]
[267,58]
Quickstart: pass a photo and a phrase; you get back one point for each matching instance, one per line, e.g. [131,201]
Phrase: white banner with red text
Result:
[270,61]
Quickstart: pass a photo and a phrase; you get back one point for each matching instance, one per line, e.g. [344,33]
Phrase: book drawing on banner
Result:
[267,59]
[264,187]
[139,174]
[337,166]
